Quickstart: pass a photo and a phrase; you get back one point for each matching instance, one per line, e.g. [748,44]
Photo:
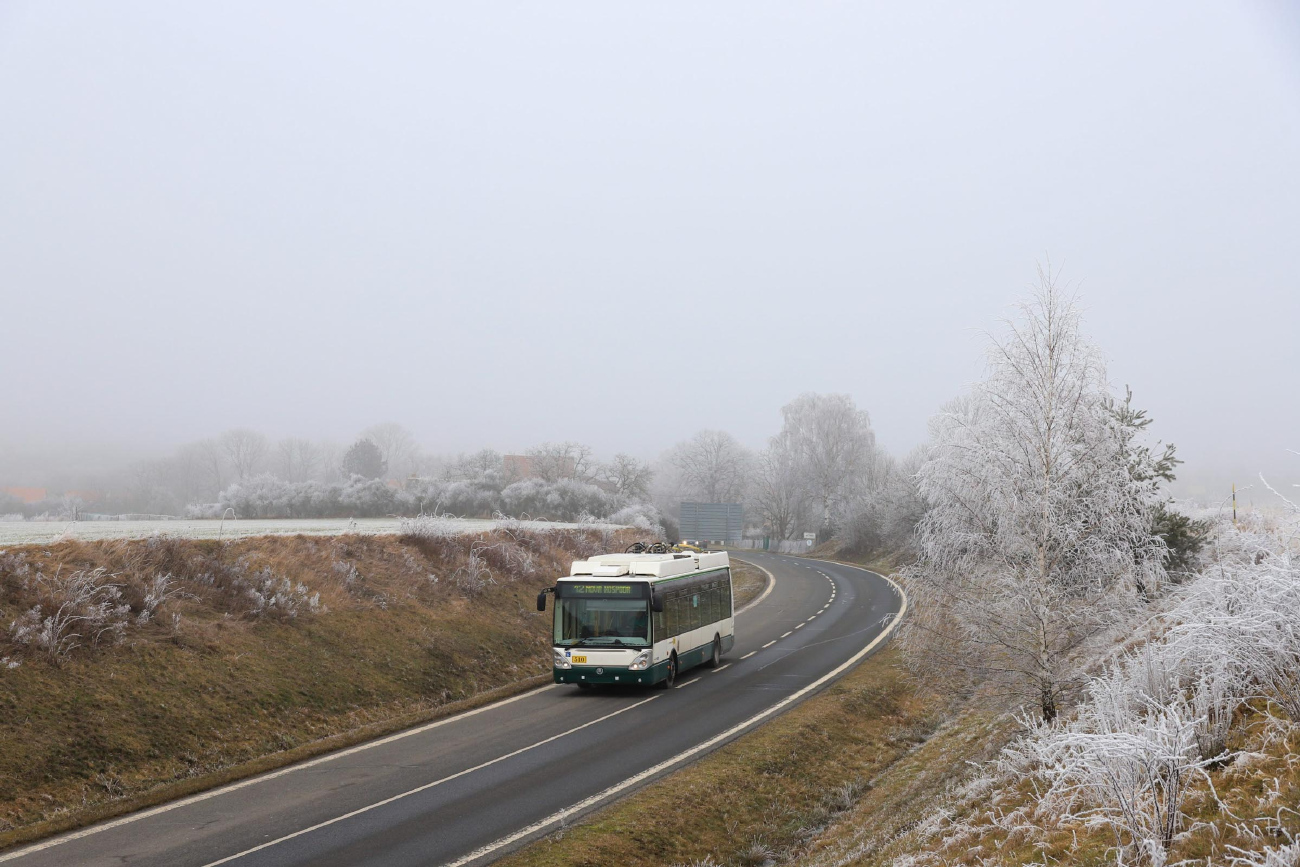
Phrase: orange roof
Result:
[27,495]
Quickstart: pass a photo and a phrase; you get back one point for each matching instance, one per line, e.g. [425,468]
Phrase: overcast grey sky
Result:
[620,223]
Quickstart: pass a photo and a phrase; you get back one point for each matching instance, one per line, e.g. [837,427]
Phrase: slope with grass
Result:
[133,671]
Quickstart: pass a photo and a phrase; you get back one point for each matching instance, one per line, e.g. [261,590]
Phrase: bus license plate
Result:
[579,659]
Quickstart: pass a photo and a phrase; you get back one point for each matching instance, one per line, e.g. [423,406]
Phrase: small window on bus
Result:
[726,594]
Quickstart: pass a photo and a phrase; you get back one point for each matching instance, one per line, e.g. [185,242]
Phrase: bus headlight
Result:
[561,661]
[641,663]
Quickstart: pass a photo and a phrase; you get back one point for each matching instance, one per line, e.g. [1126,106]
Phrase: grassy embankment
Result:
[233,672]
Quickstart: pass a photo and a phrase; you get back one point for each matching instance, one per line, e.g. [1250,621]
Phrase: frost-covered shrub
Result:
[435,527]
[475,575]
[80,609]
[640,516]
[1122,764]
[275,597]
[562,500]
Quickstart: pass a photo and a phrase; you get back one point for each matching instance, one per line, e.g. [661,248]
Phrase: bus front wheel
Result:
[671,677]
[716,659]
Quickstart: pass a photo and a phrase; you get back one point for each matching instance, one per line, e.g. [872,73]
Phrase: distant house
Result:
[27,495]
[517,466]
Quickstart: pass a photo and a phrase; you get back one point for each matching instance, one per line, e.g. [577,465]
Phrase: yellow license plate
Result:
[579,659]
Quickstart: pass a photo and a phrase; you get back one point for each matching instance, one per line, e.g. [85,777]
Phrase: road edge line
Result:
[771,584]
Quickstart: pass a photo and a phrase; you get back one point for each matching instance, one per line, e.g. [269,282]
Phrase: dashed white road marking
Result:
[769,644]
[802,625]
[688,683]
[721,667]
[748,655]
[787,635]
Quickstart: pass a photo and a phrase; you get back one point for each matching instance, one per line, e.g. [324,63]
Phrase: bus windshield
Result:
[595,622]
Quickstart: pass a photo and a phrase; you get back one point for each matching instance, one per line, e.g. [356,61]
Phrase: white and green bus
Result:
[641,618]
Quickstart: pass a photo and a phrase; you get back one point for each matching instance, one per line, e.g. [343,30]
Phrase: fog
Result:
[506,224]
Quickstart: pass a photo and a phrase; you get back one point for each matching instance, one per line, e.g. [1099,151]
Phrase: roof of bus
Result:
[654,567]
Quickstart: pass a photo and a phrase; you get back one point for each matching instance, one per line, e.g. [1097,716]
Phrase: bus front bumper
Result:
[606,674]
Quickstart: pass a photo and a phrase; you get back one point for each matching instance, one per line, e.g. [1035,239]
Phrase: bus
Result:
[637,618]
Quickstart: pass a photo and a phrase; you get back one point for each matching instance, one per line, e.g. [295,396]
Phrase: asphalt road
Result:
[468,789]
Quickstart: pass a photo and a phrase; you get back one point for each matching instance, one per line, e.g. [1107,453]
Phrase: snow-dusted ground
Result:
[40,532]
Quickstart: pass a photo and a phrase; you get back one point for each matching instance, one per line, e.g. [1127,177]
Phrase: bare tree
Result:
[297,460]
[834,443]
[330,464]
[714,467]
[1035,522]
[212,458]
[630,477]
[396,446]
[567,460]
[245,450]
[780,490]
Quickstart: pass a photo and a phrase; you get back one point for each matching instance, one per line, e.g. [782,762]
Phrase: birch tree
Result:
[1037,531]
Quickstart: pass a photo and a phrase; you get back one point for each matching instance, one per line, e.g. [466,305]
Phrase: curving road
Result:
[465,790]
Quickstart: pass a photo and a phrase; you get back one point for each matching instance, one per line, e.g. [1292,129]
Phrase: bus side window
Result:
[697,609]
[672,615]
[715,602]
[657,623]
[726,593]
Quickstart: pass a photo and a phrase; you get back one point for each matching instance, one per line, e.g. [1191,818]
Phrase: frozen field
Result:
[39,532]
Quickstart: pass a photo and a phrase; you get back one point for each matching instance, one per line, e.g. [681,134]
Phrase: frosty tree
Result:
[713,466]
[834,444]
[1037,530]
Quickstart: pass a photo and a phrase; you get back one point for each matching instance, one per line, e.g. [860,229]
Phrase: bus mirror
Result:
[656,603]
[541,601]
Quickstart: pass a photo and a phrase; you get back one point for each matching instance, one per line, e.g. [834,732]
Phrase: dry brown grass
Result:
[198,698]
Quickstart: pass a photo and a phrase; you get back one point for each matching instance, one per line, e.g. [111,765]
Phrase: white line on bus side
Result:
[688,683]
[428,786]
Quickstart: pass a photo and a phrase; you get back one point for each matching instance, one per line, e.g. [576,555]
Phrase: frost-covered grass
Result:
[1185,748]
[41,533]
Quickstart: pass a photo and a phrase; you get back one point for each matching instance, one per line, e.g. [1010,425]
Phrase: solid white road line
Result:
[721,667]
[771,583]
[748,655]
[426,786]
[682,756]
[688,683]
[261,778]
